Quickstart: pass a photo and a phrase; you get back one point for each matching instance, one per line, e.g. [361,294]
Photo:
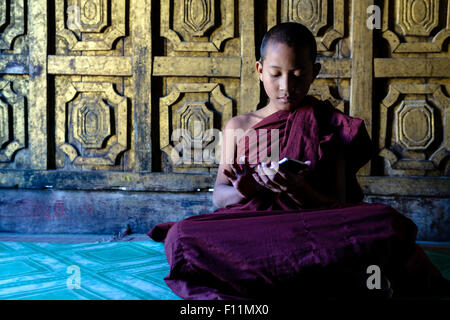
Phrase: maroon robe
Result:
[270,247]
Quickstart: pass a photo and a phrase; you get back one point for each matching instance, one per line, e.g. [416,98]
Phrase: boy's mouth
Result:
[285,99]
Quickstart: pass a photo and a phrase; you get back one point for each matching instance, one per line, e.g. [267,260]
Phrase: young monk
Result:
[284,234]
[287,68]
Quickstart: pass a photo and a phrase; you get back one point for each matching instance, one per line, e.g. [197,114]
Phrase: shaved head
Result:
[294,35]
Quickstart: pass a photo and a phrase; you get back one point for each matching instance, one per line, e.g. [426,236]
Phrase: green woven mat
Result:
[93,271]
[441,260]
[97,271]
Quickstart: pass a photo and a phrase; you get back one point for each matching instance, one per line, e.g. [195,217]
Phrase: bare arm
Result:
[233,183]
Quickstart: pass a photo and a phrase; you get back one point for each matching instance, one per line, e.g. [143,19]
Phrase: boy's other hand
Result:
[271,176]
[241,177]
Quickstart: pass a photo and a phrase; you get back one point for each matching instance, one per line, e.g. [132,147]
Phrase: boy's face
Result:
[287,74]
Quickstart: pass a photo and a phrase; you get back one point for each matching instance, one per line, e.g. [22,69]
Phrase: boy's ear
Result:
[259,69]
[316,69]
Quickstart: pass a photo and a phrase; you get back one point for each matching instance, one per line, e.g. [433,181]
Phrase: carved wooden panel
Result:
[419,25]
[92,100]
[413,142]
[327,92]
[418,17]
[413,112]
[190,25]
[13,84]
[132,88]
[208,77]
[91,123]
[12,22]
[90,24]
[198,16]
[12,122]
[192,123]
[314,14]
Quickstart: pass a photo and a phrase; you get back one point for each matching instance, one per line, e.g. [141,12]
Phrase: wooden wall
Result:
[92,91]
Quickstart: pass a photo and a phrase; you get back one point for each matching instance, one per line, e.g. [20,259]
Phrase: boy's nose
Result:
[284,84]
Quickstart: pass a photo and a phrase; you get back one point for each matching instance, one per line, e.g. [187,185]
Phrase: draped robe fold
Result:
[270,247]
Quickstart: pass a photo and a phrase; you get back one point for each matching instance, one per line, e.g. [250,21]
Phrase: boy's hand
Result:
[279,180]
[242,179]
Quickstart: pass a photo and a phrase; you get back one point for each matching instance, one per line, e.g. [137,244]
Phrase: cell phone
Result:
[292,165]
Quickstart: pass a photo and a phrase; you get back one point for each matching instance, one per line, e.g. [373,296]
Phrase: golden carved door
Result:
[394,75]
[94,89]
[93,92]
[83,67]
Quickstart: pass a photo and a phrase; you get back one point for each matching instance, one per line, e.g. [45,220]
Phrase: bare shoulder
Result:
[245,121]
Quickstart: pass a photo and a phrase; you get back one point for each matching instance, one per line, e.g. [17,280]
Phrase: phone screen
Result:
[292,165]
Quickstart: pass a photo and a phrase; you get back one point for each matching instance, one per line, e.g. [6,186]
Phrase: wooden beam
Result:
[37,94]
[436,187]
[411,67]
[142,90]
[90,65]
[362,69]
[104,180]
[334,68]
[13,64]
[250,86]
[197,66]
